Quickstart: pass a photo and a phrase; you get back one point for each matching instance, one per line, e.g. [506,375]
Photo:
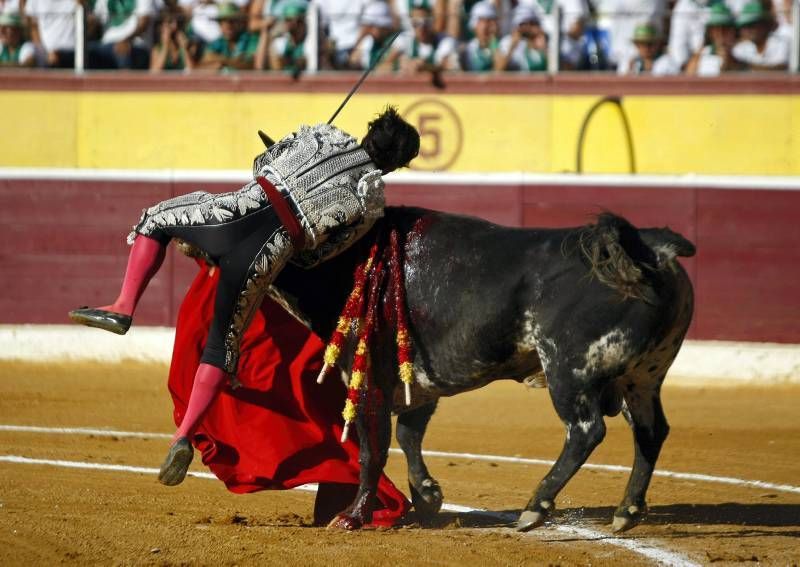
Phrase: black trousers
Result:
[250,247]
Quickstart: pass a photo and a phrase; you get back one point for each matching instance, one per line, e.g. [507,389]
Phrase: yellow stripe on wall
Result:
[725,134]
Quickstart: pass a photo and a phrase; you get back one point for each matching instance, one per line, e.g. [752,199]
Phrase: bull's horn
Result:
[268,142]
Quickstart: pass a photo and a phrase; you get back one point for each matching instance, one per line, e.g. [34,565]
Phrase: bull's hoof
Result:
[427,499]
[530,519]
[628,517]
[345,522]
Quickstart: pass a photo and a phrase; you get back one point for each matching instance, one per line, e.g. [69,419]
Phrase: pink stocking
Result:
[207,383]
[146,257]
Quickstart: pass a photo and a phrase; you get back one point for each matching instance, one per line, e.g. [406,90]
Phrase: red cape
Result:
[280,429]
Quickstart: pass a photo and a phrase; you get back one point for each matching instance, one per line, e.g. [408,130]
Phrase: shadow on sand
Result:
[727,514]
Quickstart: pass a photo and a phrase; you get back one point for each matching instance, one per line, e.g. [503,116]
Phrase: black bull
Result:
[598,313]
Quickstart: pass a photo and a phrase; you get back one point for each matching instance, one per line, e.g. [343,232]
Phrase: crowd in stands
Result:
[636,37]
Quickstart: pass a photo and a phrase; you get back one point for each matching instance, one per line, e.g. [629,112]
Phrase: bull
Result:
[595,313]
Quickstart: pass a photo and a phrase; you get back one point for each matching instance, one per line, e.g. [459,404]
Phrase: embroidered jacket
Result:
[335,189]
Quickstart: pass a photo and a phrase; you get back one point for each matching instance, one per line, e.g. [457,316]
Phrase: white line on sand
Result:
[443,454]
[661,556]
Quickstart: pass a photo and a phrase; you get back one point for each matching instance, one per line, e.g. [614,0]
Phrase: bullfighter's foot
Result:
[99,318]
[427,498]
[175,466]
[345,522]
[627,517]
[530,519]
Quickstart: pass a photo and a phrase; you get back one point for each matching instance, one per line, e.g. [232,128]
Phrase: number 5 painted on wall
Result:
[427,129]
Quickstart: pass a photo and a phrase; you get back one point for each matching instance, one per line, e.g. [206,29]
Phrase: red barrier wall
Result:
[62,243]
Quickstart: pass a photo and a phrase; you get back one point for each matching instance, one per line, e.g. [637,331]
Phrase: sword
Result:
[369,69]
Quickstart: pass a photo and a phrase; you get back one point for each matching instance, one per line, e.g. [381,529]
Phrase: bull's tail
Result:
[620,255]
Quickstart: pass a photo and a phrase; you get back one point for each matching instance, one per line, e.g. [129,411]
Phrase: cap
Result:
[377,14]
[720,15]
[646,33]
[483,10]
[293,9]
[752,13]
[228,11]
[523,14]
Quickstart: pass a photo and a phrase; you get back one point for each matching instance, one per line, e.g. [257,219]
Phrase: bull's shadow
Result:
[728,513]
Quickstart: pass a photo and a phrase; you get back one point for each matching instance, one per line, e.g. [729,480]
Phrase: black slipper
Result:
[108,320]
[175,466]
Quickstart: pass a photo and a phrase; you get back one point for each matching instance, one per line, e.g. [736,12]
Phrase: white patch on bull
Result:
[422,380]
[545,348]
[568,428]
[585,426]
[527,340]
[604,354]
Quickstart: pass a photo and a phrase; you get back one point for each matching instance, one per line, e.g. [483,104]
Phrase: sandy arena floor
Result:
[52,514]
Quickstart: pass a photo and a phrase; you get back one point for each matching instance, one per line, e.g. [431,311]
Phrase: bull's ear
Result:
[268,142]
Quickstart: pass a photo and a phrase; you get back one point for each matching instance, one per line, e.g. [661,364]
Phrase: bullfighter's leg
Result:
[374,426]
[426,495]
[645,415]
[580,411]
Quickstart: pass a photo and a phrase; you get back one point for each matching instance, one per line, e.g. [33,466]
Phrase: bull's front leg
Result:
[374,426]
[426,495]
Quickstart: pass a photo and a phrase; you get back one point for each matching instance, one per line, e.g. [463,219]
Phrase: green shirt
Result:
[244,48]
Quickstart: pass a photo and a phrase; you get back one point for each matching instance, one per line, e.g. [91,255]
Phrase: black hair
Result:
[391,142]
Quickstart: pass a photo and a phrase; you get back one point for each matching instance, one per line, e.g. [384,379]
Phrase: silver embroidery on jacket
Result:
[200,208]
[321,168]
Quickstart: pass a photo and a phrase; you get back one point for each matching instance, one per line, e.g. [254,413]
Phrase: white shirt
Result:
[709,64]
[663,65]
[776,51]
[115,34]
[341,18]
[56,21]
[202,22]
[519,60]
[278,46]
[446,49]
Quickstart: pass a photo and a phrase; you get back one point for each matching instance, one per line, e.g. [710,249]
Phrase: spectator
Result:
[760,48]
[438,8]
[52,25]
[237,48]
[618,20]
[423,49]
[126,34]
[458,24]
[716,56]
[649,57]
[574,15]
[525,49]
[479,53]
[173,52]
[341,20]
[14,51]
[377,27]
[687,30]
[289,52]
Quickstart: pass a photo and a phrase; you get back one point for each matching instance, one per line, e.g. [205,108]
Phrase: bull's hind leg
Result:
[426,495]
[374,426]
[580,411]
[645,415]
